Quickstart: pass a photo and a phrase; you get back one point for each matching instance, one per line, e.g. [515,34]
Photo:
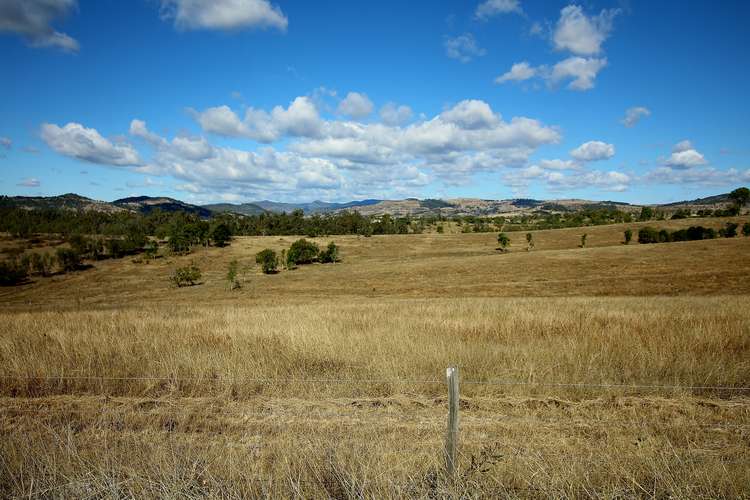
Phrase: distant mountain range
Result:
[409,206]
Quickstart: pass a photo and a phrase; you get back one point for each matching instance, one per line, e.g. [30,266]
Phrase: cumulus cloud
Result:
[33,19]
[223,14]
[6,143]
[593,151]
[356,105]
[30,182]
[392,114]
[463,47]
[517,73]
[634,115]
[490,8]
[582,71]
[559,181]
[685,156]
[300,118]
[76,141]
[703,176]
[581,34]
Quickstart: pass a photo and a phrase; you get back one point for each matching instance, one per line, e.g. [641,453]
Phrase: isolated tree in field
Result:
[302,252]
[740,197]
[628,236]
[232,279]
[221,234]
[746,229]
[268,261]
[186,276]
[330,255]
[529,242]
[584,237]
[503,241]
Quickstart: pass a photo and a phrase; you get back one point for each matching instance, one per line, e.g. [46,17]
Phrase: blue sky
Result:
[239,100]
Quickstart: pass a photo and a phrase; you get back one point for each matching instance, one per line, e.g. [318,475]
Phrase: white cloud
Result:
[634,115]
[471,114]
[593,151]
[463,47]
[583,72]
[30,182]
[392,114]
[87,144]
[490,8]
[702,176]
[223,14]
[6,143]
[685,156]
[32,19]
[684,145]
[559,181]
[518,73]
[557,164]
[356,105]
[300,119]
[580,34]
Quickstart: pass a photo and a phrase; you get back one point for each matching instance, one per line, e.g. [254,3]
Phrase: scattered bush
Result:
[302,252]
[746,229]
[12,273]
[41,264]
[268,260]
[440,229]
[529,242]
[68,259]
[503,241]
[330,254]
[232,271]
[650,235]
[729,230]
[186,276]
[584,237]
[628,236]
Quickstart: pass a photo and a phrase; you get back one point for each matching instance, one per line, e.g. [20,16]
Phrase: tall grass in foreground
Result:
[201,351]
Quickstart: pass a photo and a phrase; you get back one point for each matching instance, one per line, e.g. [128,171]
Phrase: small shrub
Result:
[664,236]
[68,259]
[268,260]
[746,229]
[584,237]
[729,230]
[186,276]
[302,252]
[503,241]
[232,271]
[440,229]
[41,263]
[648,235]
[12,273]
[529,242]
[330,255]
[628,236]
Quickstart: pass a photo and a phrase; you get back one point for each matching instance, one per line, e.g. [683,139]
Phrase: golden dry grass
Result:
[315,382]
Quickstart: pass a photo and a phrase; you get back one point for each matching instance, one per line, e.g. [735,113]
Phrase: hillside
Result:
[69,201]
[242,208]
[146,204]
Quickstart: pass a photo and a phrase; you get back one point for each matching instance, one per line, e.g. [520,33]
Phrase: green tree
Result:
[268,260]
[648,235]
[68,259]
[647,213]
[330,254]
[729,230]
[740,197]
[221,234]
[302,252]
[178,239]
[12,273]
[746,229]
[186,276]
[503,241]
[440,229]
[628,236]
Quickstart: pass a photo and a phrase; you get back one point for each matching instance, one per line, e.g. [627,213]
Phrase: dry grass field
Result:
[608,371]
